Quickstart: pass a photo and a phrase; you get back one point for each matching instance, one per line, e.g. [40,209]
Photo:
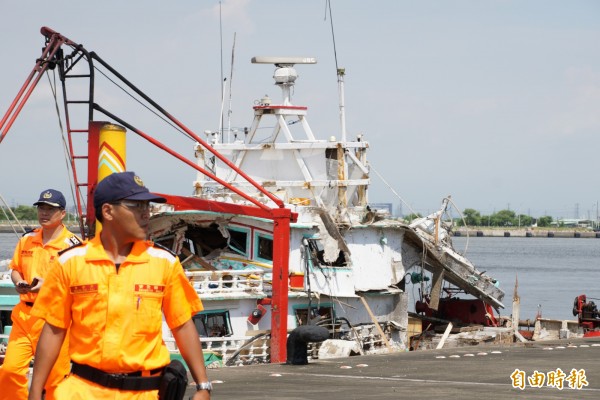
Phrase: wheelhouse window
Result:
[317,255]
[264,247]
[238,241]
[213,323]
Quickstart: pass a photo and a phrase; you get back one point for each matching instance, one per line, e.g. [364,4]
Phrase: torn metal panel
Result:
[459,271]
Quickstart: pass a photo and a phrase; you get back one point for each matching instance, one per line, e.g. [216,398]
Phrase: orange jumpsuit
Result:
[115,315]
[31,258]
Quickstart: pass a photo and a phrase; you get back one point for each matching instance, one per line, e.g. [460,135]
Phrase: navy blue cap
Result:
[123,186]
[51,197]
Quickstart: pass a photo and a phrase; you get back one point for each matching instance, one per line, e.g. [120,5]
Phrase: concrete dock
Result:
[477,372]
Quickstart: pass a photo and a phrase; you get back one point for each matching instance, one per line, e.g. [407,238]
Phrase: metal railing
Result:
[227,282]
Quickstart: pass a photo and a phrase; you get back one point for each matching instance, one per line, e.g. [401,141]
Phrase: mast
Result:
[341,72]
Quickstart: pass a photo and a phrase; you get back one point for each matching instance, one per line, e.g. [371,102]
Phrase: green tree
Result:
[544,221]
[26,213]
[524,220]
[503,218]
[471,216]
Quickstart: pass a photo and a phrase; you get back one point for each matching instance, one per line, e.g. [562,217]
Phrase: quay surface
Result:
[476,372]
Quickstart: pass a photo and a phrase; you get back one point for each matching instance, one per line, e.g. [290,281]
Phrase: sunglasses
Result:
[140,206]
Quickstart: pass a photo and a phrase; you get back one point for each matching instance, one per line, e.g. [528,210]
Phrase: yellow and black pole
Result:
[110,155]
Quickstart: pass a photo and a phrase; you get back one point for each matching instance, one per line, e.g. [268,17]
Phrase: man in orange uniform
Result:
[34,255]
[111,292]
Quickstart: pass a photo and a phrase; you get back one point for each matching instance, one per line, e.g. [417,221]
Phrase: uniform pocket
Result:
[88,307]
[148,313]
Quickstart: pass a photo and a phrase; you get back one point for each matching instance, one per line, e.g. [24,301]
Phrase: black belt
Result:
[28,303]
[129,381]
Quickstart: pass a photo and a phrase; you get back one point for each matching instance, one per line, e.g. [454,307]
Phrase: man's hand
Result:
[201,395]
[36,284]
[22,287]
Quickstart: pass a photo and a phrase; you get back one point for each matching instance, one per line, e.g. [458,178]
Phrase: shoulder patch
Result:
[160,246]
[73,240]
[30,231]
[72,247]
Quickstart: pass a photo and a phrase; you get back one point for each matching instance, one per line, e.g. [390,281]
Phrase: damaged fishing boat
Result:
[348,263]
[279,232]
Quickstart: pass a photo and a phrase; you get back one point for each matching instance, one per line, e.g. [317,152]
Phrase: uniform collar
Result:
[137,255]
[56,243]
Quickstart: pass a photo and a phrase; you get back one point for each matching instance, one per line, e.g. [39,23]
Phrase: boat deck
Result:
[469,372]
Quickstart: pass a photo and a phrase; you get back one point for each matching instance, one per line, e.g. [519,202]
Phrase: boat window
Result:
[264,246]
[317,253]
[331,154]
[238,241]
[213,324]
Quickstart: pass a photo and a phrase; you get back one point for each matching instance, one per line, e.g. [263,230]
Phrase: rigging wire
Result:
[328,6]
[464,222]
[392,189]
[70,174]
[144,105]
[13,216]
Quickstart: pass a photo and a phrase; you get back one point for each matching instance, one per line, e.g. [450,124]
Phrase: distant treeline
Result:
[23,213]
[471,217]
[501,218]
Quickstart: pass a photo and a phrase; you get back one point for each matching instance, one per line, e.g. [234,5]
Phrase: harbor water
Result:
[551,272]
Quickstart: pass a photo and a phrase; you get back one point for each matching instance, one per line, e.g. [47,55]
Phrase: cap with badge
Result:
[123,186]
[51,197]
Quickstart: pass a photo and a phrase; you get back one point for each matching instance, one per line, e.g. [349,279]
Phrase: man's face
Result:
[131,218]
[49,216]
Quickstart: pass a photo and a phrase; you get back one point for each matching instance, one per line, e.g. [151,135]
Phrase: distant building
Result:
[389,207]
[573,223]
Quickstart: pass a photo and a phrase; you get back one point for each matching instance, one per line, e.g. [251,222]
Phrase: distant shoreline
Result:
[6,228]
[470,232]
[526,232]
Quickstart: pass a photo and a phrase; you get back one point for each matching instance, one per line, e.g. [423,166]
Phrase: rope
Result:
[328,5]
[392,189]
[464,222]
[14,217]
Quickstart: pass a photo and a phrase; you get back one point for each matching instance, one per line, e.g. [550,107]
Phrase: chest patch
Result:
[79,289]
[143,288]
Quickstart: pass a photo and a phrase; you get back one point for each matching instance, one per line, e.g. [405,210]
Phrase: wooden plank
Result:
[436,288]
[520,337]
[448,329]
[377,326]
[193,257]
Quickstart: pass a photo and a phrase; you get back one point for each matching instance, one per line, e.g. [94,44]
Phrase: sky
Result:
[494,102]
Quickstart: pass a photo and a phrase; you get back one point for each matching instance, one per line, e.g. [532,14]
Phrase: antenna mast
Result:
[230,88]
[341,72]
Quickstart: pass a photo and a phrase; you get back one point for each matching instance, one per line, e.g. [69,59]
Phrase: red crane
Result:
[66,55]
